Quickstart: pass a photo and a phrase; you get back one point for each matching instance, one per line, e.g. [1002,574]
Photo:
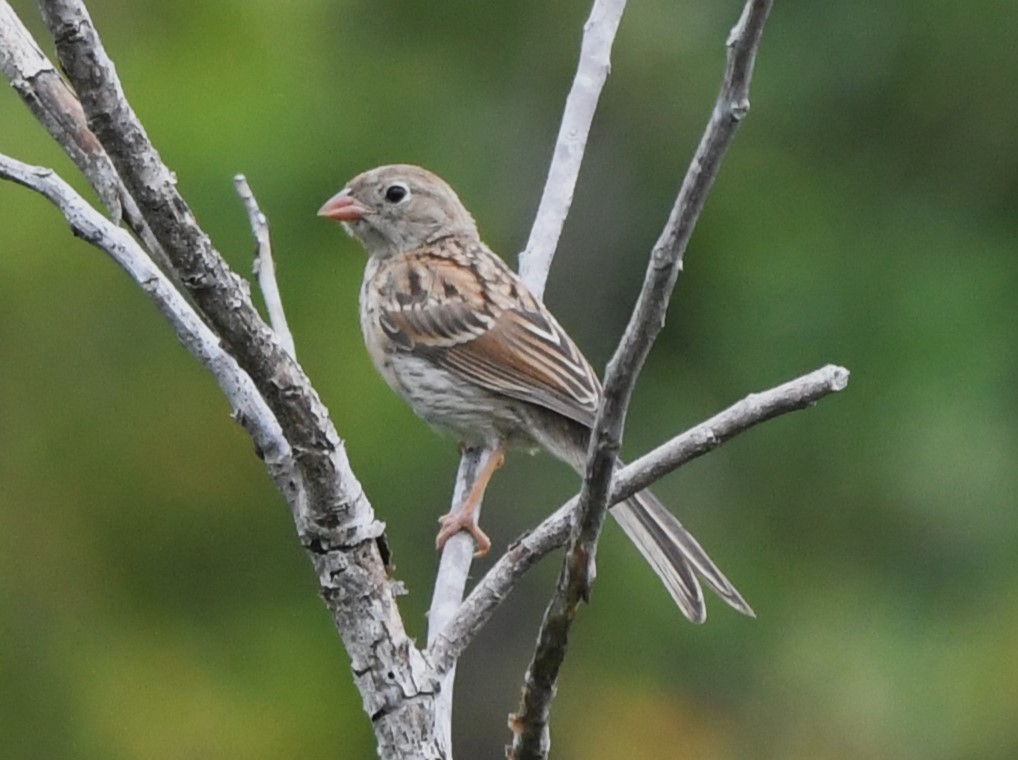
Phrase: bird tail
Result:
[675,555]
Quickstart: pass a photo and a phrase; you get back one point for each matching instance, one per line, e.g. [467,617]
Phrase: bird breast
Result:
[467,411]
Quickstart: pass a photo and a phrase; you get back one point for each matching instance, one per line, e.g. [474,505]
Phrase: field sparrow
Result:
[456,333]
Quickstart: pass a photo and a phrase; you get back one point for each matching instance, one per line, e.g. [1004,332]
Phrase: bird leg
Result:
[465,518]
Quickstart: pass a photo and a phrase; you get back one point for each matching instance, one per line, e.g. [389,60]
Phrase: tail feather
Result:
[675,556]
[662,555]
[670,550]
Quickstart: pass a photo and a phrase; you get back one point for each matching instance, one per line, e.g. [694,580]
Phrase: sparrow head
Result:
[398,208]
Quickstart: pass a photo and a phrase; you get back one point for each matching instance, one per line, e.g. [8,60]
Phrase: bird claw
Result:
[453,523]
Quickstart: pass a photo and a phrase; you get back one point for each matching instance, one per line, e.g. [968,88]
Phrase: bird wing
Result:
[471,315]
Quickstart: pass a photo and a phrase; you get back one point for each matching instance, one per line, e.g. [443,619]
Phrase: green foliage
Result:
[153,601]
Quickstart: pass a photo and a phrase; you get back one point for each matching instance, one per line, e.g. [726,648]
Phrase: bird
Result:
[459,336]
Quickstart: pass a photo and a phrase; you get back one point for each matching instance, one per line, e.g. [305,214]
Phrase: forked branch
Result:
[407,692]
[553,532]
[530,724]
[334,519]
[248,406]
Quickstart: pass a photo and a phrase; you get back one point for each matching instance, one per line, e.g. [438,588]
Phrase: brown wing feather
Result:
[512,345]
[538,364]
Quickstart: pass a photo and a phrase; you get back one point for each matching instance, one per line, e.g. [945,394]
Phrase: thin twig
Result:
[451,580]
[591,73]
[459,549]
[800,393]
[530,724]
[264,266]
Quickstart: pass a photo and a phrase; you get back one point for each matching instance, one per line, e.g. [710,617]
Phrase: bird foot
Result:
[452,523]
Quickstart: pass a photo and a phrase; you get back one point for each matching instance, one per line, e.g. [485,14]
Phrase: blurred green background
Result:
[153,600]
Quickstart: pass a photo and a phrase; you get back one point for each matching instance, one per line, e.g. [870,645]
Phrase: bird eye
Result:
[396,192]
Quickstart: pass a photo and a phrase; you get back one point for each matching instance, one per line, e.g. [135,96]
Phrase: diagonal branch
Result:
[530,726]
[248,407]
[335,522]
[58,109]
[219,293]
[369,623]
[553,532]
[55,105]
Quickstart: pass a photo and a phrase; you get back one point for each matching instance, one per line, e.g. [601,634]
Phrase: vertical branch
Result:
[264,266]
[648,317]
[581,103]
[450,584]
[530,725]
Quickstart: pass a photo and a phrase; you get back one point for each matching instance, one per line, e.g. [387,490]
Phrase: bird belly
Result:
[470,413]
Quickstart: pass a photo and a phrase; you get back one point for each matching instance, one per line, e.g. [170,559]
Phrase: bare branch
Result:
[553,532]
[591,74]
[248,407]
[403,690]
[264,266]
[450,582]
[530,738]
[222,296]
[665,264]
[535,262]
[459,550]
[57,108]
[55,105]
[338,530]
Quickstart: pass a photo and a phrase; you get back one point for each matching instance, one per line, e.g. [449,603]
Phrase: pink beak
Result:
[342,207]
